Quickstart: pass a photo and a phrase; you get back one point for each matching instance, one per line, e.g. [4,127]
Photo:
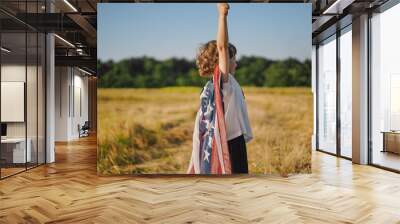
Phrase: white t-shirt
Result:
[236,116]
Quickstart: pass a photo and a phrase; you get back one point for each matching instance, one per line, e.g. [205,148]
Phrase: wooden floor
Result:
[387,159]
[5,172]
[69,191]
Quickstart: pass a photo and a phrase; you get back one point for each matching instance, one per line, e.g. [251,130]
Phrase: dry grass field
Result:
[150,130]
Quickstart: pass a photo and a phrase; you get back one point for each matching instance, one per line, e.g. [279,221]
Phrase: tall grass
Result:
[150,130]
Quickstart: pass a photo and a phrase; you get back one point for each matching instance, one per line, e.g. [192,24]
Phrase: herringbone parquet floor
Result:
[69,191]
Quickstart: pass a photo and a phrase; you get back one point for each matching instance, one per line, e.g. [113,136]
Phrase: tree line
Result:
[147,72]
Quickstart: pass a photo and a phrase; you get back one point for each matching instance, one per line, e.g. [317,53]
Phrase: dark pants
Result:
[238,155]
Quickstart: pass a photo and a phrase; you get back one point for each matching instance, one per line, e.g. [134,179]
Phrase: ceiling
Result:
[331,15]
[74,22]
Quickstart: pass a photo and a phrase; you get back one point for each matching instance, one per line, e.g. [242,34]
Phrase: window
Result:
[23,89]
[385,88]
[327,95]
[346,92]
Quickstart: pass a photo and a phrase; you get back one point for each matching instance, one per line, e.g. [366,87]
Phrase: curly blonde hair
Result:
[207,57]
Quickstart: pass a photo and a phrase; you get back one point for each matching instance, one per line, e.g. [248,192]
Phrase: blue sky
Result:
[164,30]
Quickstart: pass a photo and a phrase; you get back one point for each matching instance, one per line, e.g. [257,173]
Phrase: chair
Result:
[84,130]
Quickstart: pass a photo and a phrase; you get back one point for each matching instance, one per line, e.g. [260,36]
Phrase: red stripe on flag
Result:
[221,122]
[191,171]
[215,165]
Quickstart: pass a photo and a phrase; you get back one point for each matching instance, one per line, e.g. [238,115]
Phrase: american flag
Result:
[210,153]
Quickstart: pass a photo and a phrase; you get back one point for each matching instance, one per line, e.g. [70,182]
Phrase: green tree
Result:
[251,71]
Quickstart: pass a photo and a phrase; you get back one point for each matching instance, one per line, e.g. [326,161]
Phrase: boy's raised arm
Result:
[222,40]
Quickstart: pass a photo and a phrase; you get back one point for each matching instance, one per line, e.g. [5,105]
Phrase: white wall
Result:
[62,80]
[80,89]
[33,126]
[70,84]
[12,73]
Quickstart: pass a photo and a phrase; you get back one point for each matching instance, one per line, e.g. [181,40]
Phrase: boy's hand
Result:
[223,8]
